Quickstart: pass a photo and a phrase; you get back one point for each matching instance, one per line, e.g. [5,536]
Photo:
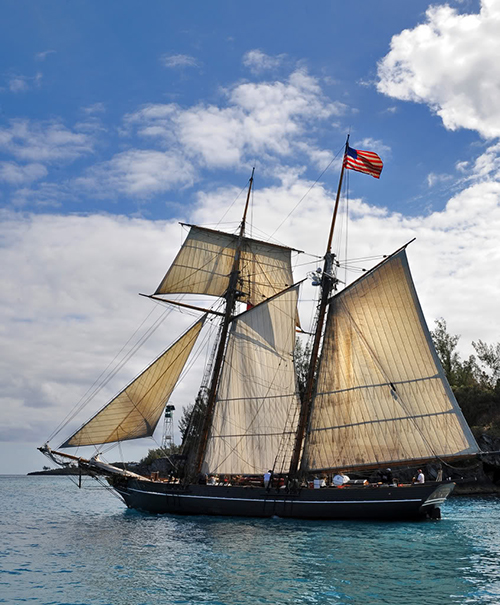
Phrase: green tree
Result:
[475,381]
[159,452]
[489,355]
[446,345]
[191,421]
[301,357]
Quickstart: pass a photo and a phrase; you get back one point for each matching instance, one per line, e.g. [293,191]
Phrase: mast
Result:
[231,298]
[327,283]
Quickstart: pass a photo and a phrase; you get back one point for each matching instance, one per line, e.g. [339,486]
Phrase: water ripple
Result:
[60,545]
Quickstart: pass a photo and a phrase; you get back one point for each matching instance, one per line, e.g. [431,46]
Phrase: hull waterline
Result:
[384,502]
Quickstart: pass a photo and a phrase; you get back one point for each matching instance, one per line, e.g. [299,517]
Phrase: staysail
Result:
[135,412]
[381,395]
[205,261]
[257,402]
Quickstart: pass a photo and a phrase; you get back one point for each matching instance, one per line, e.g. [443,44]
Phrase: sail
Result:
[257,404]
[135,412]
[381,395]
[205,261]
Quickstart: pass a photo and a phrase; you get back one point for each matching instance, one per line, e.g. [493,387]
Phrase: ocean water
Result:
[61,545]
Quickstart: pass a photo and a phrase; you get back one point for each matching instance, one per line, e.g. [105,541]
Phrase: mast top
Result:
[337,200]
[243,221]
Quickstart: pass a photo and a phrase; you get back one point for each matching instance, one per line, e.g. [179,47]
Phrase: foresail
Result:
[381,396]
[257,404]
[205,261]
[135,412]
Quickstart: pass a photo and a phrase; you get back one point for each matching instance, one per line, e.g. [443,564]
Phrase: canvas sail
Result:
[381,395]
[257,404]
[135,412]
[205,261]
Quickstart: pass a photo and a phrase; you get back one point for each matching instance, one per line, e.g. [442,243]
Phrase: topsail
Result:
[205,261]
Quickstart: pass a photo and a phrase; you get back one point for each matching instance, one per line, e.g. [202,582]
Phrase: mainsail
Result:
[257,403]
[135,412]
[205,261]
[381,395]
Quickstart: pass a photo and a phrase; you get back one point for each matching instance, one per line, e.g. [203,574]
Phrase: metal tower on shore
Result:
[168,428]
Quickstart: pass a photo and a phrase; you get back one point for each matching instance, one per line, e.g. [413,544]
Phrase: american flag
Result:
[363,161]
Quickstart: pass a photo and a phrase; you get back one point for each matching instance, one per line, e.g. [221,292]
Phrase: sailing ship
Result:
[375,394]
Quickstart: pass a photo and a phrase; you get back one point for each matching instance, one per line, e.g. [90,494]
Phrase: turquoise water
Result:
[61,545]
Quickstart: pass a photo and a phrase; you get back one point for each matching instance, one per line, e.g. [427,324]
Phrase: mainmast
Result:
[327,284]
[231,297]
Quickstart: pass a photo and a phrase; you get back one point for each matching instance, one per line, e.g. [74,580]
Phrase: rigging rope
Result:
[97,386]
[307,192]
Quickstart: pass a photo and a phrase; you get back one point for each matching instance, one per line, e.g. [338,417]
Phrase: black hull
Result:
[350,502]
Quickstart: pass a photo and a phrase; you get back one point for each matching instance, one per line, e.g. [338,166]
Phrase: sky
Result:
[119,120]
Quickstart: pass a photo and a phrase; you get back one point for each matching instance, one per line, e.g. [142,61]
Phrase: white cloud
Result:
[434,179]
[69,302]
[43,55]
[18,84]
[487,165]
[43,141]
[369,144]
[259,118]
[138,173]
[69,283]
[16,174]
[450,63]
[94,108]
[179,61]
[258,61]
[45,195]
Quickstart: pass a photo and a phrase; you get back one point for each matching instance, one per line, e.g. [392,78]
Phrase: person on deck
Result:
[267,478]
[340,479]
[420,477]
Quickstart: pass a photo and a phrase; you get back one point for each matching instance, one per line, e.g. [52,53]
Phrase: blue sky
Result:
[118,119]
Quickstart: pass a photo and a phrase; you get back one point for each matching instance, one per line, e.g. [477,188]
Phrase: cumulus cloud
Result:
[258,119]
[450,63]
[43,141]
[75,278]
[258,61]
[179,61]
[16,174]
[69,303]
[138,172]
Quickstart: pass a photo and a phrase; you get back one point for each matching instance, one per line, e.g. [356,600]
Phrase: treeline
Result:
[475,381]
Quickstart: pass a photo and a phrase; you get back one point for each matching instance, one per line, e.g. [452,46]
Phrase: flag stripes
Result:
[363,161]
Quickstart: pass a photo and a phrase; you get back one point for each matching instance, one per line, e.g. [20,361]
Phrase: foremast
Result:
[231,297]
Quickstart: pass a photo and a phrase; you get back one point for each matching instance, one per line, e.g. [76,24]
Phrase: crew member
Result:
[340,479]
[420,477]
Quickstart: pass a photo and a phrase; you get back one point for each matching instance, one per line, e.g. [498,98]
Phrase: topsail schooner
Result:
[375,395]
